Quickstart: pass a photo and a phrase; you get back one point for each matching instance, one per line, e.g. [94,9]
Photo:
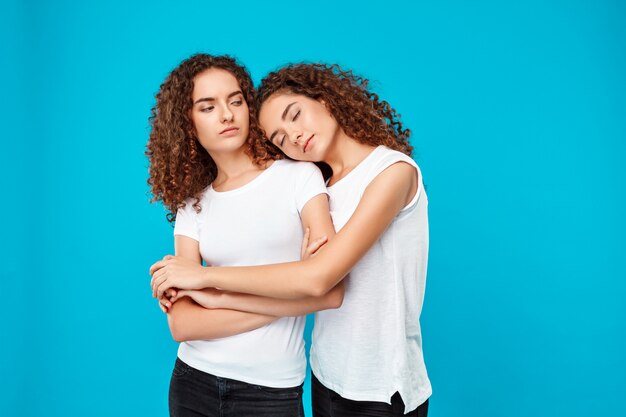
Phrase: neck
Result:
[344,154]
[231,164]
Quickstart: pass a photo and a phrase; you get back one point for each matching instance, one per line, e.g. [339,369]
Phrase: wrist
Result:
[222,300]
[205,277]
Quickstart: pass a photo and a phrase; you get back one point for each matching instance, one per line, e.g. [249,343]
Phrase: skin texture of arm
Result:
[189,321]
[282,307]
[382,200]
[316,217]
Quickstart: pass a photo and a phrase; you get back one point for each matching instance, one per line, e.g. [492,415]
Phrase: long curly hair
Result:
[180,167]
[360,113]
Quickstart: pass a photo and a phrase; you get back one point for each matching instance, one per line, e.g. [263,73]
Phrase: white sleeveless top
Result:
[256,224]
[371,346]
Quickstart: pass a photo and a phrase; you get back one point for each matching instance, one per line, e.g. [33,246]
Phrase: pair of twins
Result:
[295,198]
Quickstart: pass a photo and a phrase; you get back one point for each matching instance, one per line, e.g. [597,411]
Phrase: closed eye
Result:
[295,117]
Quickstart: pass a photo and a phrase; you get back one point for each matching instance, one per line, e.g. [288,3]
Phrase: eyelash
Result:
[210,108]
[295,117]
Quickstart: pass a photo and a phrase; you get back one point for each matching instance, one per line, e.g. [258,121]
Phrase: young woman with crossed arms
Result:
[235,202]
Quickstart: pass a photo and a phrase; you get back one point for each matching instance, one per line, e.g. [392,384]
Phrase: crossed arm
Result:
[232,313]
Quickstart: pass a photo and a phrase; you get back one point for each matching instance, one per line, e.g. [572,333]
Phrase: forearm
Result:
[189,321]
[283,307]
[292,280]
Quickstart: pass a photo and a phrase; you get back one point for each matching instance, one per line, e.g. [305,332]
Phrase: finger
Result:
[166,303]
[180,294]
[156,266]
[162,288]
[158,279]
[166,257]
[305,241]
[170,293]
[160,264]
[318,243]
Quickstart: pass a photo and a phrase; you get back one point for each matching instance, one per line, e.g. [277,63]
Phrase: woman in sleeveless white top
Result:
[370,349]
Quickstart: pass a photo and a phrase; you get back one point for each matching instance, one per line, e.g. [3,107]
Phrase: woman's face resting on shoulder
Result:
[220,112]
[300,126]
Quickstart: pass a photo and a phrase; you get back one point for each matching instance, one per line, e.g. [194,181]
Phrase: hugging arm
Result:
[318,224]
[382,200]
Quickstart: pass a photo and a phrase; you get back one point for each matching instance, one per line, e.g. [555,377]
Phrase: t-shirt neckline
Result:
[256,180]
[356,168]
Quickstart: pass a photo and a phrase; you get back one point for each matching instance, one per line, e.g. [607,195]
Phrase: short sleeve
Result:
[309,183]
[186,221]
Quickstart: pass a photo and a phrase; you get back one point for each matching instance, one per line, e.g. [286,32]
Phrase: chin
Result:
[231,145]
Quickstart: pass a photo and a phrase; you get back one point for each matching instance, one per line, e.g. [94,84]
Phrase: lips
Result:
[230,130]
[306,144]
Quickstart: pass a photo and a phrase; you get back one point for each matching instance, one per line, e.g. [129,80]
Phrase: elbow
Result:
[177,331]
[321,283]
[336,296]
[178,336]
[315,291]
[316,287]
[335,301]
[339,297]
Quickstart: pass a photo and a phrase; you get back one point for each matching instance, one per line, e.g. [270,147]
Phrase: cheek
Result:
[244,114]
[291,152]
[206,127]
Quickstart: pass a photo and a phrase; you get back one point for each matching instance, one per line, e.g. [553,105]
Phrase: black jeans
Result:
[198,394]
[327,403]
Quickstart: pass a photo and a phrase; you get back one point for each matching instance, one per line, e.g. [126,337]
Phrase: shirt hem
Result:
[284,383]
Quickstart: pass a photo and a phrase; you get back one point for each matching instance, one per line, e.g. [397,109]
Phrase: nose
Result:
[295,137]
[227,115]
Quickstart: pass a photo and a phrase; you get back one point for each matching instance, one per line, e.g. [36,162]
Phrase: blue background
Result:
[519,118]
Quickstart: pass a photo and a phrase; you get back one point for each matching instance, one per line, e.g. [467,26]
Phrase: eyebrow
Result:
[283,118]
[234,93]
[287,110]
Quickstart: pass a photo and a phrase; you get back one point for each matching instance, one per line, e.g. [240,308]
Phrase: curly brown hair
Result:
[180,167]
[360,113]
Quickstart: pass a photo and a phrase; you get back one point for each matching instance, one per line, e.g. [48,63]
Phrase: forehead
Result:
[213,83]
[272,109]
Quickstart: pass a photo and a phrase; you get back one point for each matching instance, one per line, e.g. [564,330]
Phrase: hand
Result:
[207,298]
[175,272]
[308,250]
[165,303]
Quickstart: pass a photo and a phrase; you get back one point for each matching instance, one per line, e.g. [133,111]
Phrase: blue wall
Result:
[519,120]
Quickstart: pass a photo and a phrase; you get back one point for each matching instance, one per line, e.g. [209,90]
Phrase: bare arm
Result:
[383,199]
[285,307]
[316,220]
[316,217]
[189,321]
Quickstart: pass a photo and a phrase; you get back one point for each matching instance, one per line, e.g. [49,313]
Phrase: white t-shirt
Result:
[256,224]
[371,346]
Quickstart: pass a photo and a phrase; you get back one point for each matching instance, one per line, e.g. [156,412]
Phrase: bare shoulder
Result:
[398,175]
